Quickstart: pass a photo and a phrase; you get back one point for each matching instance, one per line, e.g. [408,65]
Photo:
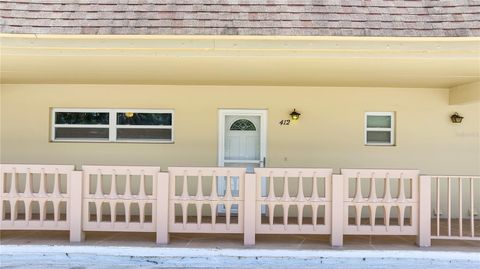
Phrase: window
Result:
[112,125]
[243,125]
[379,128]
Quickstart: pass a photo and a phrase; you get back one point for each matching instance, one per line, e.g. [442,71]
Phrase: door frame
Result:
[222,113]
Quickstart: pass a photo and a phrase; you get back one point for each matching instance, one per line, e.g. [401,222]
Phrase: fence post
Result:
[75,210]
[336,237]
[424,212]
[249,211]
[163,189]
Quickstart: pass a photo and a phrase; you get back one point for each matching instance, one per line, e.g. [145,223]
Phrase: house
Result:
[331,117]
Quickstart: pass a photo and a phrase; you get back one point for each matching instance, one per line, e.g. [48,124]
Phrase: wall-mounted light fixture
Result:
[456,118]
[295,115]
[129,114]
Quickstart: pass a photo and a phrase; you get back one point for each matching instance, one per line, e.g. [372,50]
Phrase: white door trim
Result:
[222,113]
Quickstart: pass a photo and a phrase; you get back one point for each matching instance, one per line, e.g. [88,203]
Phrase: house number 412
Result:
[284,122]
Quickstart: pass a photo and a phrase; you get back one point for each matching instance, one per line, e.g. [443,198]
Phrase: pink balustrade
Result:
[198,203]
[35,197]
[382,202]
[119,198]
[229,200]
[293,201]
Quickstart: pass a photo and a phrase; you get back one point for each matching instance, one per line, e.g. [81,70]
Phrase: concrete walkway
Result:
[95,257]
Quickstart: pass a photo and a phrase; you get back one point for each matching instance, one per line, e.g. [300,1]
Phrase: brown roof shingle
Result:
[243,17]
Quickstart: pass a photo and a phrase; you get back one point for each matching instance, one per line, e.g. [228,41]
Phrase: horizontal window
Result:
[79,133]
[144,119]
[112,125]
[379,128]
[379,137]
[379,121]
[81,118]
[144,134]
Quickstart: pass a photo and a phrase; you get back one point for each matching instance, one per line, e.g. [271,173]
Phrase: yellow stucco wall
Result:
[465,93]
[330,132]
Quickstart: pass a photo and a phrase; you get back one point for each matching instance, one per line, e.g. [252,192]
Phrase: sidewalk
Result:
[93,257]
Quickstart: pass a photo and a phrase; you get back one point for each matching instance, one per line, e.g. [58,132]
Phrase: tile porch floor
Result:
[234,241]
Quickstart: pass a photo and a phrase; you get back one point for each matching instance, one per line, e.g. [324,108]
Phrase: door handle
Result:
[263,162]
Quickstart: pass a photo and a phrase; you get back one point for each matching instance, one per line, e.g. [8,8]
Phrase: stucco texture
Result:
[330,132]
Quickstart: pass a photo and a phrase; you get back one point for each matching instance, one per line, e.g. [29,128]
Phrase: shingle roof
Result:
[244,17]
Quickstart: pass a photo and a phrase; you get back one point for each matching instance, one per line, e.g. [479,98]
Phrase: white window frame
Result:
[391,129]
[112,126]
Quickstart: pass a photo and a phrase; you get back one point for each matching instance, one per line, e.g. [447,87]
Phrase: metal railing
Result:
[456,216]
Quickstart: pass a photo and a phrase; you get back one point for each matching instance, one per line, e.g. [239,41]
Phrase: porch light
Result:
[129,114]
[456,118]
[295,115]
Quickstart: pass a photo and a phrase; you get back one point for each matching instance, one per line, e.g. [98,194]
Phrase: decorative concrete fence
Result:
[380,202]
[229,200]
[293,201]
[116,198]
[197,205]
[36,197]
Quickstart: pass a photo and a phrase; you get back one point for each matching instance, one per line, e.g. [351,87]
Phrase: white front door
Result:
[242,138]
[242,142]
